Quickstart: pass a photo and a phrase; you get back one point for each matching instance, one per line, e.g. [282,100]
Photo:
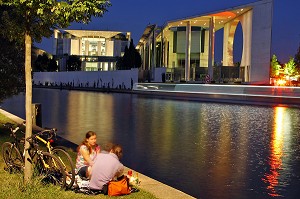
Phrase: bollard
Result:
[37,114]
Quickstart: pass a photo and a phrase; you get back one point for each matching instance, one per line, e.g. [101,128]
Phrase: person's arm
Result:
[86,156]
[120,171]
[98,149]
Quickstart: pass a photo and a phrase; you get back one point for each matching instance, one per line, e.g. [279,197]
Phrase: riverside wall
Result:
[241,94]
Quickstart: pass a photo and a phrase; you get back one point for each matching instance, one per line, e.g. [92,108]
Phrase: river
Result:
[208,150]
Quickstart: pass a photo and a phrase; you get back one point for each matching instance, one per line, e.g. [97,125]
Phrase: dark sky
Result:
[135,15]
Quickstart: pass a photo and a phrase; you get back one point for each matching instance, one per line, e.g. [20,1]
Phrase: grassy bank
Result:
[12,186]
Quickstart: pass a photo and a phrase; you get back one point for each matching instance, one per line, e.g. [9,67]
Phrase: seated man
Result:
[106,167]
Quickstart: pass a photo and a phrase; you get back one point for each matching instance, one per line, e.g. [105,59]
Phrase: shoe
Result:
[133,190]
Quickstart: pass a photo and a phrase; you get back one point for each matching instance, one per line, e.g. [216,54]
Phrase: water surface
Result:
[208,150]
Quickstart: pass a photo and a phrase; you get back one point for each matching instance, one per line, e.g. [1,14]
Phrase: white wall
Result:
[109,48]
[75,50]
[261,42]
[100,78]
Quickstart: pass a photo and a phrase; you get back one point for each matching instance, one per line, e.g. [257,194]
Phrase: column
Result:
[144,56]
[246,22]
[149,53]
[162,58]
[188,51]
[128,35]
[87,47]
[55,40]
[211,52]
[153,62]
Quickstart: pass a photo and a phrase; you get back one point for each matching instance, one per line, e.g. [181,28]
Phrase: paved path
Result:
[148,184]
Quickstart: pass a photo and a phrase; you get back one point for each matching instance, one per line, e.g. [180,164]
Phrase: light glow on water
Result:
[275,160]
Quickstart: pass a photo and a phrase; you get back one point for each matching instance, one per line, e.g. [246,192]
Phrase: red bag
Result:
[118,188]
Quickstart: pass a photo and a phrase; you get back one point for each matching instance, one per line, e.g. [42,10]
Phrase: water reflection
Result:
[272,177]
[208,150]
[83,112]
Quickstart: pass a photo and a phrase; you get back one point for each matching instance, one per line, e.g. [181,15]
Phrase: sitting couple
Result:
[99,166]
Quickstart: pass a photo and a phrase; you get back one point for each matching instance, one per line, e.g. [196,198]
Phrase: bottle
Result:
[130,177]
[129,173]
[137,182]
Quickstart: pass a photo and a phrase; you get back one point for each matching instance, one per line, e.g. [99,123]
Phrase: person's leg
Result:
[83,172]
[88,172]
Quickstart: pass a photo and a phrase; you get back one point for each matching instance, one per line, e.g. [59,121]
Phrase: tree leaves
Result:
[12,79]
[40,17]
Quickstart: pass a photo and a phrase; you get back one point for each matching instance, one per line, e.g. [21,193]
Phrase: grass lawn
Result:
[12,186]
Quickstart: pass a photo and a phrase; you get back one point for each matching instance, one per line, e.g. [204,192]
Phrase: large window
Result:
[93,48]
[90,66]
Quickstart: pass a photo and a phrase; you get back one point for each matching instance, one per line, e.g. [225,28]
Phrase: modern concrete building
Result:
[189,43]
[98,50]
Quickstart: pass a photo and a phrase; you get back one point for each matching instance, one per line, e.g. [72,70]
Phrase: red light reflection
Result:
[275,159]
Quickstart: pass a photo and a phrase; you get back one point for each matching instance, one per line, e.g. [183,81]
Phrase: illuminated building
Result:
[188,44]
[98,50]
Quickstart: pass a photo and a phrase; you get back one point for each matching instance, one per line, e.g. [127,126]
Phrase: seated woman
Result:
[87,152]
[107,166]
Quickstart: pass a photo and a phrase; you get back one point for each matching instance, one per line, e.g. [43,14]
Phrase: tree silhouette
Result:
[41,63]
[52,66]
[130,59]
[12,78]
[297,60]
[73,63]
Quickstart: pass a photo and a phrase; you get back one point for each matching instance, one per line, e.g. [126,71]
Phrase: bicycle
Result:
[11,150]
[45,164]
[59,152]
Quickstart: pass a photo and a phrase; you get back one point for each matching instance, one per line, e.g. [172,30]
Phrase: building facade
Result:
[188,45]
[97,50]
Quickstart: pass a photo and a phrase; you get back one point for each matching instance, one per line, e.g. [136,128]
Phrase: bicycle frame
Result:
[37,151]
[13,133]
[49,147]
[47,141]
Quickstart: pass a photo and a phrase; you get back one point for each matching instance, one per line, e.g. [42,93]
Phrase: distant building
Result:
[98,50]
[187,46]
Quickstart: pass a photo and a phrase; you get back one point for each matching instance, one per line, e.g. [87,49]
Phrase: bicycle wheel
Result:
[12,157]
[67,163]
[50,169]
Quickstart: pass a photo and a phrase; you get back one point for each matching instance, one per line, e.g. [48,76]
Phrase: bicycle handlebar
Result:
[11,127]
[50,132]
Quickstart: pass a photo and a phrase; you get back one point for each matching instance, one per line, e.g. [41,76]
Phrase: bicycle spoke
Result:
[12,157]
[68,165]
[50,170]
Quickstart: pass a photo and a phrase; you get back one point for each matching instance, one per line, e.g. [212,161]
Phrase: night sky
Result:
[135,15]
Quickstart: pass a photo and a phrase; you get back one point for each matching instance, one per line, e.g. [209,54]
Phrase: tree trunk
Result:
[28,104]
